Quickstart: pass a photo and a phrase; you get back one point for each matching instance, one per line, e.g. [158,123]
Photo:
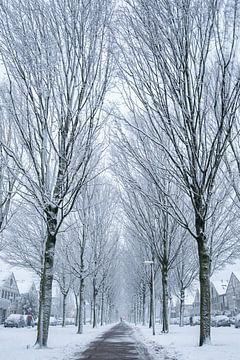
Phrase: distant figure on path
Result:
[29,320]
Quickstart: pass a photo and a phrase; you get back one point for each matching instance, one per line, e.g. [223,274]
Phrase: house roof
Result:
[237,274]
[220,286]
[4,275]
[24,286]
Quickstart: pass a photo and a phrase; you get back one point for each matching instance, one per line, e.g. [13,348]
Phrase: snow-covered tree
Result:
[103,237]
[181,68]
[63,272]
[184,273]
[25,238]
[57,59]
[7,167]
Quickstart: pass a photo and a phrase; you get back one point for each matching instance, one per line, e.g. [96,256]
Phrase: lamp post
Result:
[150,262]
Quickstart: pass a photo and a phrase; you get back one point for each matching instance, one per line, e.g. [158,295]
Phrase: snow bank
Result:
[182,343]
[63,344]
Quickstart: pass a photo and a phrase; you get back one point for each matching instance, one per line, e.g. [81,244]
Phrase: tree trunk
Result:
[140,308]
[46,282]
[165,318]
[150,306]
[102,308]
[205,293]
[77,309]
[98,313]
[40,316]
[91,313]
[137,309]
[181,310]
[94,303]
[160,310]
[64,310]
[85,314]
[110,312]
[135,313]
[144,305]
[81,307]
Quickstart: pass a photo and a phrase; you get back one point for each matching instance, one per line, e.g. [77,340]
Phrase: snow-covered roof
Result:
[220,286]
[4,275]
[24,286]
[237,274]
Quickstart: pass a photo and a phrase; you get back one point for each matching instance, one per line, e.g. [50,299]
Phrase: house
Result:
[9,295]
[219,302]
[233,293]
[26,287]
[218,296]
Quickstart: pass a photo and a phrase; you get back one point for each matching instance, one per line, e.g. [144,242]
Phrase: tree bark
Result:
[81,307]
[182,303]
[40,316]
[135,312]
[46,282]
[144,305]
[165,318]
[110,312]
[91,313]
[94,303]
[150,306]
[102,308]
[205,293]
[64,310]
[85,314]
[77,309]
[138,308]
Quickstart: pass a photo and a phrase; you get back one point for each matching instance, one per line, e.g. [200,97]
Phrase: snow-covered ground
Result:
[182,343]
[64,343]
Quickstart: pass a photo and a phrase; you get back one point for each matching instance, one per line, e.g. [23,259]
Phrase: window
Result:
[11,282]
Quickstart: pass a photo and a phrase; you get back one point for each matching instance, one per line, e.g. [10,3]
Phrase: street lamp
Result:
[150,262]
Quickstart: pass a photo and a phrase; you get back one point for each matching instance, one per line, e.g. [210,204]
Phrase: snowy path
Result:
[116,344]
[64,343]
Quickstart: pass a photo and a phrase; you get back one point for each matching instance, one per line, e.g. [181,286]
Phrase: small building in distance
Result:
[233,293]
[9,295]
[219,302]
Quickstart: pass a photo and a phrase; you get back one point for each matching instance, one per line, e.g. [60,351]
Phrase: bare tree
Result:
[138,286]
[57,58]
[93,241]
[63,272]
[181,69]
[103,238]
[7,168]
[24,239]
[161,233]
[184,273]
[78,251]
[146,204]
